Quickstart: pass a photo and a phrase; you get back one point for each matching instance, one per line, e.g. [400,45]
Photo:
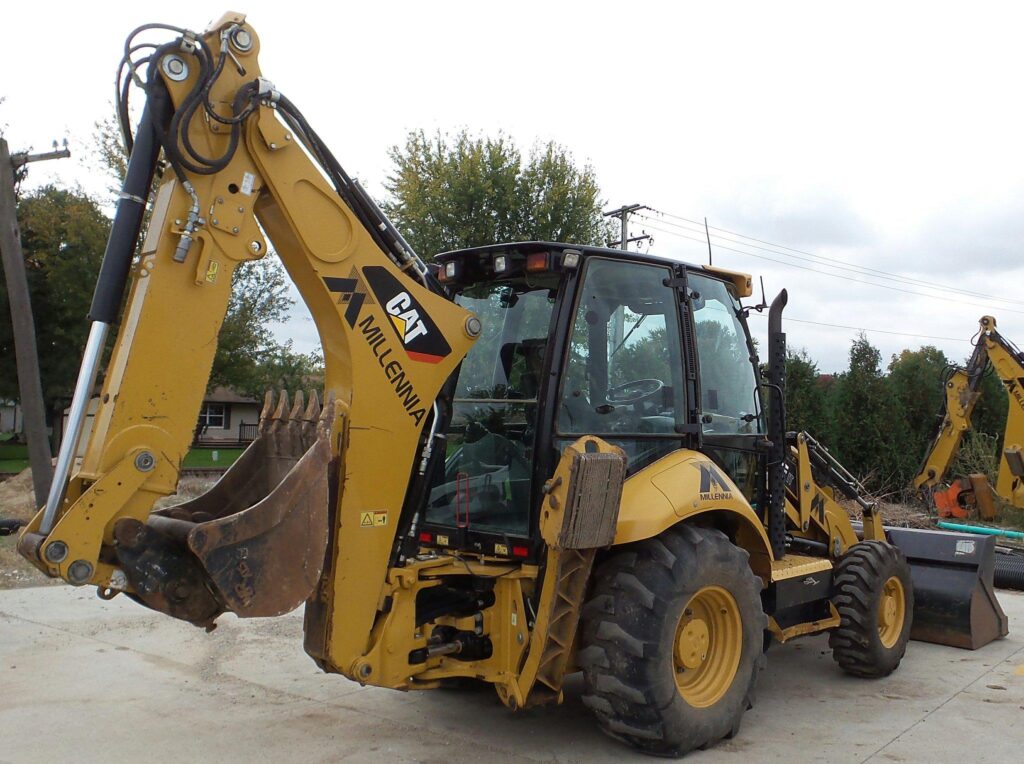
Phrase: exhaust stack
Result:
[777,427]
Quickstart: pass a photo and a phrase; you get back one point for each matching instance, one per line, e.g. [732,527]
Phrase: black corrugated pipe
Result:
[777,427]
[1009,571]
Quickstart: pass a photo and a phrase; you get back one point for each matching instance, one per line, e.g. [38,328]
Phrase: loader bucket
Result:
[954,600]
[254,544]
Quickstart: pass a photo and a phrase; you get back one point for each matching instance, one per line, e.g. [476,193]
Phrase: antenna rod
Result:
[706,233]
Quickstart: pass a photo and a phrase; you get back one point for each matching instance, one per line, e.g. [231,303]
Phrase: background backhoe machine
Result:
[962,390]
[528,460]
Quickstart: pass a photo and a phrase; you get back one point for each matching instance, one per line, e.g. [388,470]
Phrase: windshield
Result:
[485,484]
[728,386]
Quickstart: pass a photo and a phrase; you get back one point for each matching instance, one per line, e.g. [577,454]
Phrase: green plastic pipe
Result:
[982,530]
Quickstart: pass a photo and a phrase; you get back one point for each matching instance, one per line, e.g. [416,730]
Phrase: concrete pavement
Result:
[83,680]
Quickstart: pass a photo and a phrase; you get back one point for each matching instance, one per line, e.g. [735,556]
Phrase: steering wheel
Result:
[636,391]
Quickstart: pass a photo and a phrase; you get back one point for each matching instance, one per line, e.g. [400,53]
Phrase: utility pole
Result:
[623,213]
[616,336]
[26,357]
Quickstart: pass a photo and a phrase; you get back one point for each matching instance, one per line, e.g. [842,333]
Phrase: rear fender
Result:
[680,487]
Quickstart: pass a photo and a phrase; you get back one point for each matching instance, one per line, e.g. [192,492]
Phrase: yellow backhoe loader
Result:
[528,459]
[973,493]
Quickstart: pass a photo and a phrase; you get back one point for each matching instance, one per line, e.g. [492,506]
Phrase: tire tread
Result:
[622,639]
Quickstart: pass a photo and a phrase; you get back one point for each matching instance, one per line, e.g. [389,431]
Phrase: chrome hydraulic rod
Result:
[76,419]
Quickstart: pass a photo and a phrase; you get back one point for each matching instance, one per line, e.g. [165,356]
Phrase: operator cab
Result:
[650,354]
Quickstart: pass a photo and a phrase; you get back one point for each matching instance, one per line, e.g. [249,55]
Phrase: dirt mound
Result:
[16,497]
[894,514]
[905,515]
[17,502]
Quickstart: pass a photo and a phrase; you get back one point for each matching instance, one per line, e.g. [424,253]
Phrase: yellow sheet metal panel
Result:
[680,486]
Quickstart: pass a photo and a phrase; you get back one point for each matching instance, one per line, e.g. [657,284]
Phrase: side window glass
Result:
[624,373]
[727,381]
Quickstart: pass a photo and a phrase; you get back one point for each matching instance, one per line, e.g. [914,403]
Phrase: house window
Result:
[213,415]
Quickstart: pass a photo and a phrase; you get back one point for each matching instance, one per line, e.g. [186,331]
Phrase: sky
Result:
[865,156]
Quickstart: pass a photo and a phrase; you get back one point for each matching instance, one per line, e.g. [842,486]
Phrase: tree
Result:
[282,368]
[805,396]
[864,418]
[464,191]
[64,233]
[259,297]
[915,378]
[108,152]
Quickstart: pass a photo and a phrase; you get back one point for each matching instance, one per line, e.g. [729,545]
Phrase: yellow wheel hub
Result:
[708,645]
[891,611]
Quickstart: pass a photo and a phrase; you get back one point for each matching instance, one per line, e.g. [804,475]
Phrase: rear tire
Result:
[672,640]
[875,600]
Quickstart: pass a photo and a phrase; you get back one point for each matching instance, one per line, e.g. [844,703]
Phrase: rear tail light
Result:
[449,271]
[538,261]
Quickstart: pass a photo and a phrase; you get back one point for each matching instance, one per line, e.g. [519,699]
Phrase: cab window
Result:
[728,384]
[623,374]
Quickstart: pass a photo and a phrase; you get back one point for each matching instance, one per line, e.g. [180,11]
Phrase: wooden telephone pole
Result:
[25,354]
[616,337]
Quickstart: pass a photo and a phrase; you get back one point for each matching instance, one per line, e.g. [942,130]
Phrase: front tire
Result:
[875,600]
[671,641]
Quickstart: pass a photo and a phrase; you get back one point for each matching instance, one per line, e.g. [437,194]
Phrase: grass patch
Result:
[13,466]
[199,458]
[13,451]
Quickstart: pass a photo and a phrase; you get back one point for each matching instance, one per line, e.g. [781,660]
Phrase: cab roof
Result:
[741,281]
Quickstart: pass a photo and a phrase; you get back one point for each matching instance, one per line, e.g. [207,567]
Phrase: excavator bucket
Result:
[254,544]
[954,600]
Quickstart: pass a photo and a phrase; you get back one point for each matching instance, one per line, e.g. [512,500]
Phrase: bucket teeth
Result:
[310,419]
[267,412]
[258,537]
[326,419]
[290,424]
[283,408]
[298,407]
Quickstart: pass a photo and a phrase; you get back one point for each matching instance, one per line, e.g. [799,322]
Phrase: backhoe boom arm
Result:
[244,181]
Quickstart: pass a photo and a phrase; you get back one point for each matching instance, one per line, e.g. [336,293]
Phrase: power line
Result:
[834,275]
[865,329]
[822,259]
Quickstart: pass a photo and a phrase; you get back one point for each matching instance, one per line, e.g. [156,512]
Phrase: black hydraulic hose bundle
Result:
[174,136]
[171,128]
[383,231]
